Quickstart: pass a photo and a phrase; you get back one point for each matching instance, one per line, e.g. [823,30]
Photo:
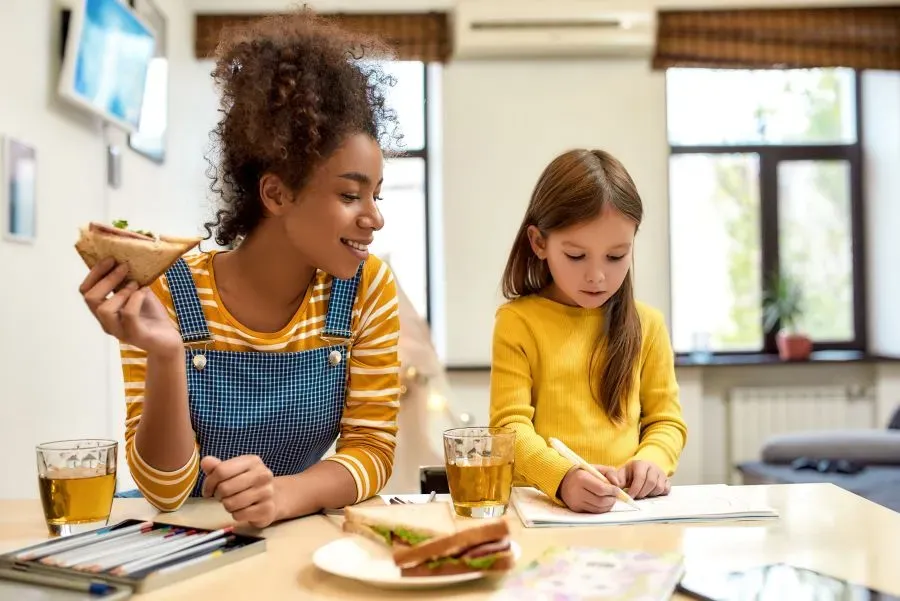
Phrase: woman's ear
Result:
[537,241]
[274,194]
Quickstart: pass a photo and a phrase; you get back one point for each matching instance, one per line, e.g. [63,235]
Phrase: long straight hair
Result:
[576,187]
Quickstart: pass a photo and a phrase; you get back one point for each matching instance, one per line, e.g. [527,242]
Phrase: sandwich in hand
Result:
[402,525]
[148,256]
[481,548]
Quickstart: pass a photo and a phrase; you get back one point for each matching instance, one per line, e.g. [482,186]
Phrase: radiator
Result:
[755,414]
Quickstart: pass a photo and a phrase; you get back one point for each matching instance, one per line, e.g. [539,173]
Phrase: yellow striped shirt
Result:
[368,429]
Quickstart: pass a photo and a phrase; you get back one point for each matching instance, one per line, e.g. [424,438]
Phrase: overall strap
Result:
[340,307]
[187,304]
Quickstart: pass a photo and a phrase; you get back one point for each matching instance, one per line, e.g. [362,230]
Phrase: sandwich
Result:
[148,256]
[477,548]
[402,525]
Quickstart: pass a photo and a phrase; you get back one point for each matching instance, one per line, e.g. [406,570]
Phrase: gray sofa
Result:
[864,462]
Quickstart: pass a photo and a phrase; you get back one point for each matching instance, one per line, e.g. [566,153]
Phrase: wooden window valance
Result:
[857,37]
[414,36]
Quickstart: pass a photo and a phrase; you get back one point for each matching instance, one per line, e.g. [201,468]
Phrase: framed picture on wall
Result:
[19,199]
[150,139]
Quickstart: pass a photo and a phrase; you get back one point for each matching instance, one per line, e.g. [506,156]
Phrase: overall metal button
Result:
[199,362]
[334,357]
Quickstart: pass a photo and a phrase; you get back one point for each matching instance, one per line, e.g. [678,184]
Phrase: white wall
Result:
[59,374]
[881,158]
[503,122]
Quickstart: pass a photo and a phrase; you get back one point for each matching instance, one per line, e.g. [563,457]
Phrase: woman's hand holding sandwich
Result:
[133,315]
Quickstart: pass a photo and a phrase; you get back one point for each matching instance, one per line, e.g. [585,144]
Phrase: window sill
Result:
[758,359]
[738,360]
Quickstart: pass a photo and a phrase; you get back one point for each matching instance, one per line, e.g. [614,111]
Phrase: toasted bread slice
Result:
[451,545]
[400,525]
[147,258]
[502,562]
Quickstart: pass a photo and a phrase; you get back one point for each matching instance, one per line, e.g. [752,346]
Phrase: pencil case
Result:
[118,561]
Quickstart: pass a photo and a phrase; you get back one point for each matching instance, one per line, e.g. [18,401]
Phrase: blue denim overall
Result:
[285,407]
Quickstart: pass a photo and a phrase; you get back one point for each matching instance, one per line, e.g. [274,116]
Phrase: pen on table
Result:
[572,456]
[92,588]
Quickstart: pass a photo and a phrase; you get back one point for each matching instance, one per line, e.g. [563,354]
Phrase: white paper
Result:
[683,503]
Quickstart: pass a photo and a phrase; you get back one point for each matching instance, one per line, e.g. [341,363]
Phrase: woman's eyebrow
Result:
[359,178]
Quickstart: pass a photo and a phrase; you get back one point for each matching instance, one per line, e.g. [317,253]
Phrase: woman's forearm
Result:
[326,485]
[164,437]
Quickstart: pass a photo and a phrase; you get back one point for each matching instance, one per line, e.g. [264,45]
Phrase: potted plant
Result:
[783,308]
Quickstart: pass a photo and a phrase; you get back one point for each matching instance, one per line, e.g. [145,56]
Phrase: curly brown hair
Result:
[293,88]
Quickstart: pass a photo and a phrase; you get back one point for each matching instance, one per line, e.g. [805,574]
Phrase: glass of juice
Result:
[77,481]
[479,465]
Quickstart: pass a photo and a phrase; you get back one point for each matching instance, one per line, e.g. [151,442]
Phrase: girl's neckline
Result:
[232,320]
[569,309]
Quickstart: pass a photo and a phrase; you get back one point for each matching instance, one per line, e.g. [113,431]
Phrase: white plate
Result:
[360,559]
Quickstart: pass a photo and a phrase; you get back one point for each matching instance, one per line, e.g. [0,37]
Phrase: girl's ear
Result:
[537,241]
[274,195]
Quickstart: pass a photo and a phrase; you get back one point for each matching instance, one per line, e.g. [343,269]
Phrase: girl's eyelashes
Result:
[609,257]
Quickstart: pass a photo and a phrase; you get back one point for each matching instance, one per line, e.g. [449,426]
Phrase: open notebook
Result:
[711,502]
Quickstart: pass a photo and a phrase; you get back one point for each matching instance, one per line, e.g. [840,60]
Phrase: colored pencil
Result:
[87,538]
[572,456]
[114,557]
[190,554]
[190,562]
[168,550]
[74,555]
[111,560]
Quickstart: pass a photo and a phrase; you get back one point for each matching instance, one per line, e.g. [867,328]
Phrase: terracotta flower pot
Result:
[793,347]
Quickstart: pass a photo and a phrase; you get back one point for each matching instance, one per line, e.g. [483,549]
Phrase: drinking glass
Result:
[479,465]
[77,482]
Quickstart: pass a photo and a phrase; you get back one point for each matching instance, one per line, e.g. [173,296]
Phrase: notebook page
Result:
[683,503]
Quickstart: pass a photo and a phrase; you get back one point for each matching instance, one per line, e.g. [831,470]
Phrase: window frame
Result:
[422,153]
[770,155]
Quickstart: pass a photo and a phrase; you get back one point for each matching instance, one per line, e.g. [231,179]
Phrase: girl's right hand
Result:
[133,315]
[584,493]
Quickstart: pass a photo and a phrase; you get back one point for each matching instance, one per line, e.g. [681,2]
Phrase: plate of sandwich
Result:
[417,546]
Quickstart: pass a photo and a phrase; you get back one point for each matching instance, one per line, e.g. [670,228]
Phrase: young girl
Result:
[242,367]
[575,357]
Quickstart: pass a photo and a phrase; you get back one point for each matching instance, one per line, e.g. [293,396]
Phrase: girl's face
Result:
[588,260]
[332,220]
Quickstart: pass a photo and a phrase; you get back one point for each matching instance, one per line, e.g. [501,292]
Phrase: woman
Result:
[242,367]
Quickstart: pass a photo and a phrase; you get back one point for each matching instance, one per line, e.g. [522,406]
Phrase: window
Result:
[403,242]
[764,179]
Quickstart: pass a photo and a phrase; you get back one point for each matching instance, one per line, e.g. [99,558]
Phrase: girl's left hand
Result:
[244,486]
[644,479]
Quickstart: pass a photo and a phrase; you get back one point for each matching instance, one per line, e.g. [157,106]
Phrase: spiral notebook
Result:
[702,503]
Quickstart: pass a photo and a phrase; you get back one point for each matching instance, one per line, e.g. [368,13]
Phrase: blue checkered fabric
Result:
[340,307]
[190,316]
[284,407]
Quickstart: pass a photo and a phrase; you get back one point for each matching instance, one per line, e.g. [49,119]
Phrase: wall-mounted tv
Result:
[107,54]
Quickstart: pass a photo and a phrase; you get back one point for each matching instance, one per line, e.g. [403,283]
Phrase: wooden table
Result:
[821,527]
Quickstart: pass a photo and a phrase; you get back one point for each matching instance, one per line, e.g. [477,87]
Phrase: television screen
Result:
[108,52]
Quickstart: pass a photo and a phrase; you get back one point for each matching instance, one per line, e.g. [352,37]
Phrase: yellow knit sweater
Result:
[540,388]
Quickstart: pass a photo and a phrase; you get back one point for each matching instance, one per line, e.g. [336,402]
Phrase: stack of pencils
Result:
[132,551]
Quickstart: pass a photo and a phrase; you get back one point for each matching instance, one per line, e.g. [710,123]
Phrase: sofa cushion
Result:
[894,424]
[870,447]
[879,484]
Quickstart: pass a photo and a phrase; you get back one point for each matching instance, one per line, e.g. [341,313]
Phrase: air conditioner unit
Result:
[485,29]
